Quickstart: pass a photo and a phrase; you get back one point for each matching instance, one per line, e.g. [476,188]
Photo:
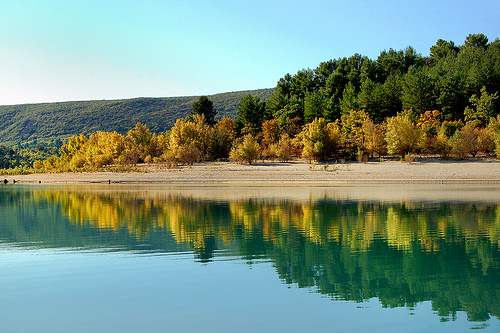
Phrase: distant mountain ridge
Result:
[46,122]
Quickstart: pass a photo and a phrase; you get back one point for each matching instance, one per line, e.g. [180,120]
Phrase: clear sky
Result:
[65,50]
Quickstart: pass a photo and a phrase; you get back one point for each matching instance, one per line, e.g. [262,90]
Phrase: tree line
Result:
[21,159]
[400,104]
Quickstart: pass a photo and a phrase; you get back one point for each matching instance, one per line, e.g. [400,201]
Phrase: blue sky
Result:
[54,50]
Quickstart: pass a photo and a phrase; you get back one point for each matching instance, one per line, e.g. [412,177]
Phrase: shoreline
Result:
[421,171]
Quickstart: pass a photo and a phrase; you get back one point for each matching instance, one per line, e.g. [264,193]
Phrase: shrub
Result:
[494,130]
[449,128]
[37,165]
[442,145]
[459,147]
[285,149]
[485,141]
[169,159]
[129,157]
[465,142]
[409,158]
[78,161]
[496,140]
[188,154]
[52,164]
[247,150]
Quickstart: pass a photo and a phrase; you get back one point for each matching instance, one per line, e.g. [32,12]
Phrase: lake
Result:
[247,258]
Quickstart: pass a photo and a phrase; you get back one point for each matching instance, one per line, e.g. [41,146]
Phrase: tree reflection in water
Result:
[401,253]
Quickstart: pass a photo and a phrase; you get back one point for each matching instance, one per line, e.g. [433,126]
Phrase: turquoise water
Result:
[226,259]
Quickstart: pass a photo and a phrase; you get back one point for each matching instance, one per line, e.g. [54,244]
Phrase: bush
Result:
[494,130]
[496,140]
[442,145]
[409,158]
[449,128]
[169,159]
[189,154]
[247,150]
[129,157]
[465,142]
[37,165]
[485,141]
[474,140]
[284,150]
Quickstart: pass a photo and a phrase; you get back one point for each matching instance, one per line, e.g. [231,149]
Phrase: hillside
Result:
[47,122]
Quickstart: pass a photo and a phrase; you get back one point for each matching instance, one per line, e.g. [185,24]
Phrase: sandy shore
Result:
[479,171]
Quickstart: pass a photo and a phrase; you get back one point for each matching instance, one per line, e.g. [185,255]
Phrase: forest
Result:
[356,108]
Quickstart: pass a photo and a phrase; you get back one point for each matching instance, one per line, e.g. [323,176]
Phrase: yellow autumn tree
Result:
[320,139]
[190,139]
[103,148]
[223,135]
[245,150]
[139,144]
[373,138]
[403,136]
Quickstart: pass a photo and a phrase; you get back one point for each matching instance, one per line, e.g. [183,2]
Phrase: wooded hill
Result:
[48,122]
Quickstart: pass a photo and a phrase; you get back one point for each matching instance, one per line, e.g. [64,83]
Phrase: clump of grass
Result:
[409,158]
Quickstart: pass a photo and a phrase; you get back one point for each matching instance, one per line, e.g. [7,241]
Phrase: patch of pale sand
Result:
[422,171]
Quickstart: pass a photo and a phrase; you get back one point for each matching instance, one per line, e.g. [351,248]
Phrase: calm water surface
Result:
[247,259]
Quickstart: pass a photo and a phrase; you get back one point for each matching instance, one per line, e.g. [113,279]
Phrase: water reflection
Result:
[401,252]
